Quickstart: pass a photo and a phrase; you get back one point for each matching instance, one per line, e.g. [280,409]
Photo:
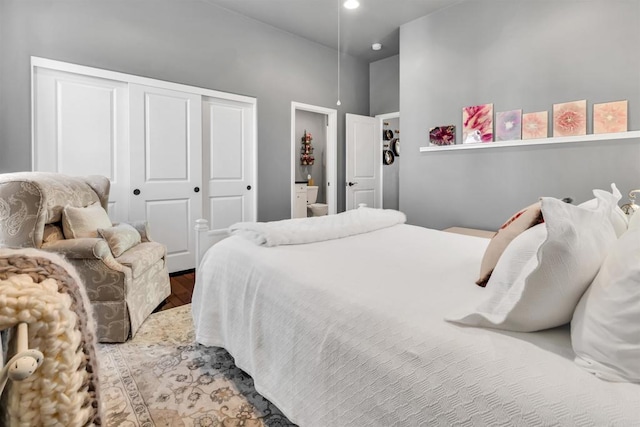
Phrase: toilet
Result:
[313,208]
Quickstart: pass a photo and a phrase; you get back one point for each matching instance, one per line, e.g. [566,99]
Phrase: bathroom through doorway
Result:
[313,160]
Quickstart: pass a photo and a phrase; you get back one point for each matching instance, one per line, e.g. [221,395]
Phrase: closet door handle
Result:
[351,184]
[136,192]
[248,187]
[196,189]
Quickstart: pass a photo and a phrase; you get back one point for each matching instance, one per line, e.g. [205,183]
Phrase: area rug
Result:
[163,378]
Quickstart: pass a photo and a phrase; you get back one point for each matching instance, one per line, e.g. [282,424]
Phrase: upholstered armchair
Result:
[124,271]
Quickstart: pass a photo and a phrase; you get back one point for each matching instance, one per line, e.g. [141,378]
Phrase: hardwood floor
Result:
[181,290]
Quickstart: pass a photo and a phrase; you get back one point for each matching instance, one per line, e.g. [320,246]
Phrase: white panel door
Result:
[229,171]
[80,128]
[166,167]
[363,161]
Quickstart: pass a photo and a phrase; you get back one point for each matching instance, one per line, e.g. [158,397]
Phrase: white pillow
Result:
[84,222]
[619,219]
[539,279]
[605,329]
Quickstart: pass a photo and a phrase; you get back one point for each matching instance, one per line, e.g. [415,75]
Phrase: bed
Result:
[351,332]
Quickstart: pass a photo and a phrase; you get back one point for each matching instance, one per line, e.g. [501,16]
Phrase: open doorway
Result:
[314,163]
[390,165]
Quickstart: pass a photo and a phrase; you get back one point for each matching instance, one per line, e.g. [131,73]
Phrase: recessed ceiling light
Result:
[351,4]
[376,46]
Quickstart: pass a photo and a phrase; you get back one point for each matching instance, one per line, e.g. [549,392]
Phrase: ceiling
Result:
[375,21]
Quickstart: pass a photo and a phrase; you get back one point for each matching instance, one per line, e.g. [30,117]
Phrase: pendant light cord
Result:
[338,103]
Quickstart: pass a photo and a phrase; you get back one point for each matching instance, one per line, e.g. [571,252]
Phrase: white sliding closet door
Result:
[228,147]
[166,167]
[80,128]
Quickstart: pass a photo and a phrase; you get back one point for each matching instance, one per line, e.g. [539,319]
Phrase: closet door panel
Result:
[228,147]
[166,172]
[80,128]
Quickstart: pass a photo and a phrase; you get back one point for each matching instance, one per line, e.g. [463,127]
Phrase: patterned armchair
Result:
[124,289]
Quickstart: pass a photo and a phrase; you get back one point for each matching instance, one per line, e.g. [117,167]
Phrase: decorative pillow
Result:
[52,233]
[120,238]
[605,329]
[84,222]
[619,219]
[521,221]
[538,281]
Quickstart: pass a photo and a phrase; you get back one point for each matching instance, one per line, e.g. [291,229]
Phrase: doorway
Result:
[320,126]
[390,169]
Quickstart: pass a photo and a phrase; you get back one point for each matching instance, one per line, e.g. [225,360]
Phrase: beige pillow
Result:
[52,233]
[521,221]
[120,238]
[84,222]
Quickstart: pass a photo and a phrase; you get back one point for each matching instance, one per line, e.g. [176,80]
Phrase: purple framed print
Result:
[509,125]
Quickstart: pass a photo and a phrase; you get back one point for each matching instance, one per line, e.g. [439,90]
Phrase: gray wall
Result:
[316,124]
[384,86]
[515,54]
[188,42]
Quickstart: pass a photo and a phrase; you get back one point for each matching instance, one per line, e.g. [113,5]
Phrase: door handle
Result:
[351,184]
[136,192]
[196,189]
[248,187]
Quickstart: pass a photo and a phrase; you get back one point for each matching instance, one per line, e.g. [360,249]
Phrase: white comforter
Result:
[350,332]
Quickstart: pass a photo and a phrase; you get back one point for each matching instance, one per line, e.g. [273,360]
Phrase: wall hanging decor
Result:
[535,125]
[509,125]
[306,151]
[477,123]
[394,146]
[610,117]
[387,157]
[442,135]
[570,118]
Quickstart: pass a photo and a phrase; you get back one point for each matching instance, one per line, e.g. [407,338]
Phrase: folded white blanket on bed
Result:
[316,229]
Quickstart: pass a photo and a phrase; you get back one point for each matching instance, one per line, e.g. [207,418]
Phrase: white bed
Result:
[350,332]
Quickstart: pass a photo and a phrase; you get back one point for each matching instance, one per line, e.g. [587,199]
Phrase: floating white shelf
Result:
[523,142]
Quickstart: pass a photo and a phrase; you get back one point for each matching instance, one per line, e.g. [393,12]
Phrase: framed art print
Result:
[610,117]
[509,125]
[570,118]
[442,135]
[535,125]
[477,123]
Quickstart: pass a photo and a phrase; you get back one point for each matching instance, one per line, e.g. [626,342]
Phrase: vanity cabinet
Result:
[300,207]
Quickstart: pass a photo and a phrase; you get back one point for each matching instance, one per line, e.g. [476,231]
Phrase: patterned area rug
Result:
[163,378]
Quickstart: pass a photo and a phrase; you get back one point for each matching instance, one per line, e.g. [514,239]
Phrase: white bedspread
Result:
[350,332]
[317,229]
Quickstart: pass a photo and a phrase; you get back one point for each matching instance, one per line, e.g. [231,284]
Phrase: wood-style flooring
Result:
[181,290]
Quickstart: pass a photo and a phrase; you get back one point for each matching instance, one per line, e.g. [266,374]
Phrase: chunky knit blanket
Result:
[45,291]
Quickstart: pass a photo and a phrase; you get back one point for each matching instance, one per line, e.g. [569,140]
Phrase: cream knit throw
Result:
[42,290]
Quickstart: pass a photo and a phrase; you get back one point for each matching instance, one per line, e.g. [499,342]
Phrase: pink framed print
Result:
[535,125]
[570,118]
[477,123]
[610,117]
